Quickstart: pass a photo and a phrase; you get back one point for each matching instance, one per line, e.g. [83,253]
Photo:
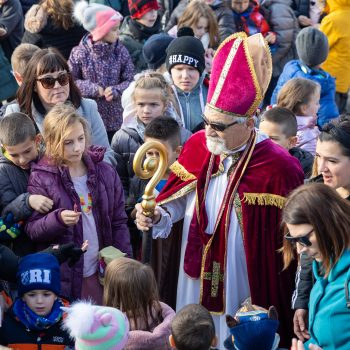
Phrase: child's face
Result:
[275,133]
[201,27]
[310,109]
[40,301]
[239,6]
[24,153]
[74,144]
[149,104]
[112,36]
[149,18]
[172,154]
[185,77]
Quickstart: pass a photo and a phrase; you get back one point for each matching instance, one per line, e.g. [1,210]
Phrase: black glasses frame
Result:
[217,126]
[302,240]
[50,82]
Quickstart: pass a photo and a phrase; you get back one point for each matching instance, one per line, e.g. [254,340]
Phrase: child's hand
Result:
[271,38]
[85,246]
[304,21]
[40,203]
[108,94]
[3,31]
[101,91]
[70,217]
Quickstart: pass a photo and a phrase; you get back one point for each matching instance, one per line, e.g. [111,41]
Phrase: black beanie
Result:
[312,46]
[186,50]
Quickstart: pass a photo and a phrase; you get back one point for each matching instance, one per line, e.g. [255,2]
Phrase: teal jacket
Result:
[329,317]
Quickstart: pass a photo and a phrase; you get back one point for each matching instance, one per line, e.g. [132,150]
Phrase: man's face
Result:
[229,139]
[185,77]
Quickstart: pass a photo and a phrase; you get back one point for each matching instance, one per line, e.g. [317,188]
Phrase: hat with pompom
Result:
[96,19]
[96,327]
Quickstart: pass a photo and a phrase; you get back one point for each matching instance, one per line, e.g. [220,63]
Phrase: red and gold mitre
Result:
[241,73]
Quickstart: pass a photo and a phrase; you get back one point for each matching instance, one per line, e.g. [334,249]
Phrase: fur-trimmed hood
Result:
[35,19]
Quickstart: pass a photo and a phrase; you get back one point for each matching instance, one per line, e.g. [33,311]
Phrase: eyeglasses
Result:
[302,240]
[49,82]
[217,126]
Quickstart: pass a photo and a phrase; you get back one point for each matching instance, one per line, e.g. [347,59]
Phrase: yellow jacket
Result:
[336,26]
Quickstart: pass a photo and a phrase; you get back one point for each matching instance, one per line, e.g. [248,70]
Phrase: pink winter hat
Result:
[96,327]
[96,19]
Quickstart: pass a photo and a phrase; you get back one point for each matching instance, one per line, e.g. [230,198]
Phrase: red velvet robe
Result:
[270,175]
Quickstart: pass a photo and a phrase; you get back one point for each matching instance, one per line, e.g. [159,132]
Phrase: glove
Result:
[9,229]
[66,252]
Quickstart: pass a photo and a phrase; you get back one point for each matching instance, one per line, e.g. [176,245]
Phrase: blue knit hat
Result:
[154,50]
[38,271]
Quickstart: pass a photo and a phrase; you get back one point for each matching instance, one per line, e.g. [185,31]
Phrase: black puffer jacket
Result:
[14,199]
[40,30]
[305,158]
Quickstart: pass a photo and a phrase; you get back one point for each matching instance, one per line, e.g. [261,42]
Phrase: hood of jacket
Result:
[341,267]
[338,4]
[35,19]
[93,155]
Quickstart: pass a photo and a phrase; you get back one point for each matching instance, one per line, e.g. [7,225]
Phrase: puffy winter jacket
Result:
[108,211]
[40,30]
[95,64]
[296,69]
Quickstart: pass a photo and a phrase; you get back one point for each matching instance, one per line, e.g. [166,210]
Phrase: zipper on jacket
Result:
[188,111]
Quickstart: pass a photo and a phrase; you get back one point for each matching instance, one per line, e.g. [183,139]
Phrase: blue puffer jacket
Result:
[329,315]
[296,69]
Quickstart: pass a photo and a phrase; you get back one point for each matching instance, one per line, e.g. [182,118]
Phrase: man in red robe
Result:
[229,186]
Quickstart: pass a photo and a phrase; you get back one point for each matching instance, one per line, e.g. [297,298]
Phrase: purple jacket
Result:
[155,340]
[108,210]
[102,64]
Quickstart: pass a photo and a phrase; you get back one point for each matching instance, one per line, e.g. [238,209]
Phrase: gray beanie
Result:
[312,46]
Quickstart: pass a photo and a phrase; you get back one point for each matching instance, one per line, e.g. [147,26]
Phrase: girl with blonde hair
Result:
[88,200]
[131,287]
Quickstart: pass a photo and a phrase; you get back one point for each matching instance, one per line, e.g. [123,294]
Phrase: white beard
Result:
[216,145]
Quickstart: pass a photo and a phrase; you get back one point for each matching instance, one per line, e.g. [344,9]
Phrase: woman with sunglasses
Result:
[322,232]
[332,165]
[47,82]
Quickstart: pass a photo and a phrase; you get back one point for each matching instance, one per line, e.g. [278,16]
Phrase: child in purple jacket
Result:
[101,65]
[88,200]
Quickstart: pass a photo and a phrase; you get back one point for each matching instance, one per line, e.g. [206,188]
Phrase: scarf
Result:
[142,32]
[33,321]
[205,254]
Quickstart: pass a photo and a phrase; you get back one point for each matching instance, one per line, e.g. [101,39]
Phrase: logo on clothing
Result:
[36,276]
[184,59]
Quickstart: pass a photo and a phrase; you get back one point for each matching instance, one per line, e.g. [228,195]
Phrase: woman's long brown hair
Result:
[321,207]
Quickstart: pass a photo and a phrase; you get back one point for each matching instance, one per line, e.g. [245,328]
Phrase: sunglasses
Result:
[302,240]
[49,82]
[217,126]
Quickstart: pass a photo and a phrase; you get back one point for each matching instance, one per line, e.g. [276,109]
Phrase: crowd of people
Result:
[249,241]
